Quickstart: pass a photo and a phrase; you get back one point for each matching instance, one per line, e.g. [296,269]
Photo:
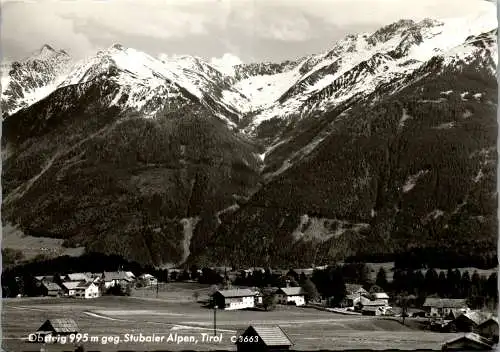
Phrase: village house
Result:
[442,307]
[380,296]
[50,289]
[148,280]
[354,300]
[489,329]
[54,327]
[69,288]
[291,295]
[235,299]
[263,339]
[87,290]
[113,278]
[467,322]
[379,305]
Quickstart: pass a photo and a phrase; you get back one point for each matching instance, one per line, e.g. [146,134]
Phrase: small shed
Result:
[263,339]
[63,326]
[468,342]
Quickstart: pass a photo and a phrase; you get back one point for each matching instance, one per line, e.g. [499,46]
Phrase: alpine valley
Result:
[384,142]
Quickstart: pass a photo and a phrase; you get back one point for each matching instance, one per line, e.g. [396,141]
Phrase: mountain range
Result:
[383,143]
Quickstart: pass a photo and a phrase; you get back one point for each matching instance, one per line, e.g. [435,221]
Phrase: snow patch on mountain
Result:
[263,90]
[411,181]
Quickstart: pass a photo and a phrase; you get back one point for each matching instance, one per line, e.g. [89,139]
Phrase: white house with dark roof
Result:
[442,307]
[87,290]
[263,338]
[291,295]
[235,299]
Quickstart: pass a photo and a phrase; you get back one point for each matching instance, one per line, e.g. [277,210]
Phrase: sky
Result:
[233,30]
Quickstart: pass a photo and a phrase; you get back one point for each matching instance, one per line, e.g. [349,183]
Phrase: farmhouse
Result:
[234,299]
[263,339]
[50,289]
[69,288]
[291,295]
[57,327]
[489,329]
[380,296]
[467,322]
[87,290]
[468,342]
[354,300]
[148,280]
[442,307]
[112,278]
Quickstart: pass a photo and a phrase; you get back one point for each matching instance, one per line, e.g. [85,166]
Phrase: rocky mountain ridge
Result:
[169,160]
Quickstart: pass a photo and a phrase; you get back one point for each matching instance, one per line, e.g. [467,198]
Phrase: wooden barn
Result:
[54,327]
[468,342]
[489,329]
[263,339]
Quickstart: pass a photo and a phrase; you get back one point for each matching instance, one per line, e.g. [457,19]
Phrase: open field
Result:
[309,328]
[32,246]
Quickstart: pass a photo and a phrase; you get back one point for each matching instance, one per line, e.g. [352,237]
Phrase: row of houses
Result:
[249,298]
[87,285]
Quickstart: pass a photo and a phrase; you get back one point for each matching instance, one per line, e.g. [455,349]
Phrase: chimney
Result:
[287,283]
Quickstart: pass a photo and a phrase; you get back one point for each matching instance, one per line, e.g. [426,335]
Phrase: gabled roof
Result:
[270,335]
[445,303]
[66,325]
[473,337]
[71,285]
[45,278]
[354,288]
[376,303]
[77,277]
[115,275]
[475,316]
[380,295]
[51,286]
[84,285]
[129,274]
[491,320]
[292,291]
[244,292]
